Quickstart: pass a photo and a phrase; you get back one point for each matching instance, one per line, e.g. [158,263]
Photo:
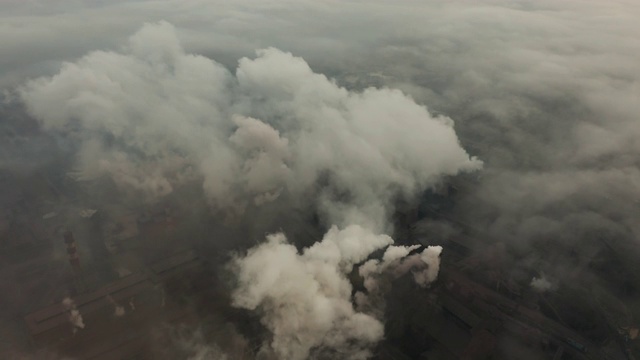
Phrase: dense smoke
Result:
[75,318]
[306,298]
[544,92]
[153,118]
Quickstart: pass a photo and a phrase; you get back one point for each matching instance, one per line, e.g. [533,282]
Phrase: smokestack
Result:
[74,260]
[72,250]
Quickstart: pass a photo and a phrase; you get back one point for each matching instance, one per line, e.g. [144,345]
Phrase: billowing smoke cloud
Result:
[152,117]
[544,91]
[305,298]
[424,266]
[378,274]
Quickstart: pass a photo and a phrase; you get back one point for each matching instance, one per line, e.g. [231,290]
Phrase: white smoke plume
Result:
[305,298]
[377,275]
[152,117]
[429,257]
[424,266]
[75,318]
[541,284]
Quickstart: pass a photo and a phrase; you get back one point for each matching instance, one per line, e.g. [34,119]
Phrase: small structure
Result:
[72,250]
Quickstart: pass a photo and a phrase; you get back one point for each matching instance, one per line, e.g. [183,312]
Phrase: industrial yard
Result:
[135,276]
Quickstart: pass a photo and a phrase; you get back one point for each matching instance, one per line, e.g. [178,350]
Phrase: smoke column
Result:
[152,118]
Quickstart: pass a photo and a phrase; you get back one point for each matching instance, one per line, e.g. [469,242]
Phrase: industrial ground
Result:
[143,275]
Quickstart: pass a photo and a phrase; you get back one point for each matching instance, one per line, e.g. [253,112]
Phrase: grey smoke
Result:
[397,261]
[306,298]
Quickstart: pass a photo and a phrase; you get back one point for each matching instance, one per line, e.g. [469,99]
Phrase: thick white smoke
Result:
[305,298]
[424,266]
[152,118]
[75,318]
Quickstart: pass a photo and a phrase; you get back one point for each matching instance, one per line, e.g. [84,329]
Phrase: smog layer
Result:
[320,179]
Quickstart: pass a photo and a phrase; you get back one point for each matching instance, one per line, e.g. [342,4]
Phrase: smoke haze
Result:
[274,127]
[342,111]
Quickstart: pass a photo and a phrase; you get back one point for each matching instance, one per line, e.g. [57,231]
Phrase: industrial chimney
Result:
[74,260]
[72,250]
